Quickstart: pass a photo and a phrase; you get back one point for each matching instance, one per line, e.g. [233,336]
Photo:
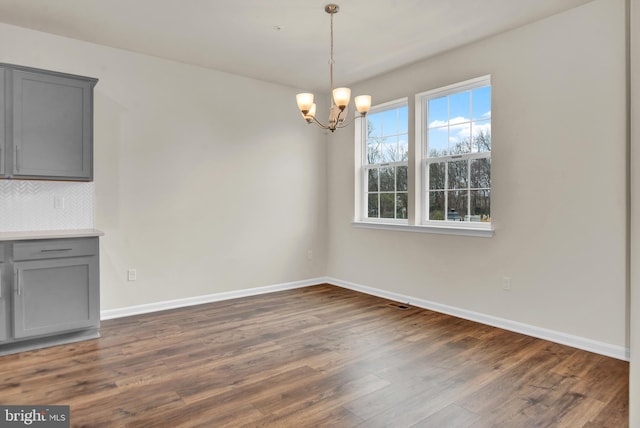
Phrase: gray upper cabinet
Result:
[2,127]
[47,124]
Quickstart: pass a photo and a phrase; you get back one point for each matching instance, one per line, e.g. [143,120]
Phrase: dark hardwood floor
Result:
[314,357]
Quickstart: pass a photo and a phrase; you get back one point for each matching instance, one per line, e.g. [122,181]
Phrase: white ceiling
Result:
[241,36]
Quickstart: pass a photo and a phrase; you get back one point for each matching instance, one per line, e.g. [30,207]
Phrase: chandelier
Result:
[339,100]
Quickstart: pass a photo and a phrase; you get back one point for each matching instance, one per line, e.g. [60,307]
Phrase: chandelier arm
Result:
[320,124]
[345,124]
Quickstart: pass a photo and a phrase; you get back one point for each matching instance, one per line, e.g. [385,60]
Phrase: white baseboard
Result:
[614,351]
[198,300]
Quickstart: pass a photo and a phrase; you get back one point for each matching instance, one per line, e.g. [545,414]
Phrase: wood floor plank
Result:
[452,416]
[320,401]
[317,356]
[615,413]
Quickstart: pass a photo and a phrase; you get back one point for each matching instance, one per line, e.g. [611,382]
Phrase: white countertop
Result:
[50,234]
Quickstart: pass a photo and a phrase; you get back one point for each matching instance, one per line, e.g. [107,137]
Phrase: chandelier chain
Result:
[331,59]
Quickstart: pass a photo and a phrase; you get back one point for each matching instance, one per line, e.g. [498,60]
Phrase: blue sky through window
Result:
[455,118]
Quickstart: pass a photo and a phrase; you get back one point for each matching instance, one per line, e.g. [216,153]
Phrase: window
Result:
[385,163]
[442,185]
[456,147]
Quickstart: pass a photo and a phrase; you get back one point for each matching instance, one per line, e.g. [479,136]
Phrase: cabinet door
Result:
[55,295]
[52,126]
[4,300]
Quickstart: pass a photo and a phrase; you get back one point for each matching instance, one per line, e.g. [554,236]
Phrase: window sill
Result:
[441,230]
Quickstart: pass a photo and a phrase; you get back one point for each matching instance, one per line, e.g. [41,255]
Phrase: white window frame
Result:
[418,191]
[362,166]
[421,141]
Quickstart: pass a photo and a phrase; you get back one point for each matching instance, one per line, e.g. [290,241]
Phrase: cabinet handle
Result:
[56,249]
[18,283]
[16,160]
[0,283]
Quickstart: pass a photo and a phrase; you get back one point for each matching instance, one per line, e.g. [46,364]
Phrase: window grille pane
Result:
[389,122]
[374,126]
[438,142]
[387,205]
[373,151]
[401,179]
[481,136]
[460,106]
[481,173]
[480,205]
[401,205]
[481,99]
[438,112]
[457,204]
[436,175]
[372,210]
[389,149]
[458,174]
[436,205]
[403,148]
[460,139]
[403,120]
[372,180]
[387,179]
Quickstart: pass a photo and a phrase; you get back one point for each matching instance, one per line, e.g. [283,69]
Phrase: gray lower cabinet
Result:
[47,124]
[54,294]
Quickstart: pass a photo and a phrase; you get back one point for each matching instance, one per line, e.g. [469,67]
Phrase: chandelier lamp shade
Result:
[340,96]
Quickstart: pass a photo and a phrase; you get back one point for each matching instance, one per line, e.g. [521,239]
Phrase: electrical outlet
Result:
[132,275]
[58,202]
[506,283]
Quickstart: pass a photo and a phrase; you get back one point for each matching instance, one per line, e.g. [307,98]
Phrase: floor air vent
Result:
[400,306]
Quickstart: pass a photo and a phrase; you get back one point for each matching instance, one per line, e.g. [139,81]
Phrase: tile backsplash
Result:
[45,205]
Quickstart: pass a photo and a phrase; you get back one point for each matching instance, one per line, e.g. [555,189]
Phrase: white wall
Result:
[205,182]
[559,183]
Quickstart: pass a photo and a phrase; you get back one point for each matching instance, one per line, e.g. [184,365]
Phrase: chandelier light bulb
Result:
[341,97]
[305,101]
[311,114]
[363,103]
